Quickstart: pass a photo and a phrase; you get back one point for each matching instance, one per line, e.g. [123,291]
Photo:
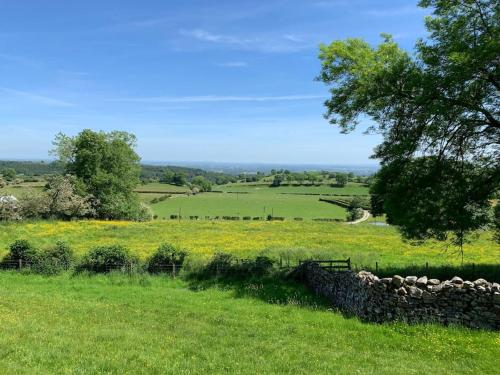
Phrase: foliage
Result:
[64,202]
[441,105]
[35,206]
[202,183]
[10,209]
[107,168]
[9,174]
[32,168]
[21,253]
[341,179]
[104,259]
[355,209]
[277,180]
[166,255]
[227,266]
[429,198]
[496,223]
[54,260]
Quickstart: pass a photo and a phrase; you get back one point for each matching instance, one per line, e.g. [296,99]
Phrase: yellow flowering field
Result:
[365,244]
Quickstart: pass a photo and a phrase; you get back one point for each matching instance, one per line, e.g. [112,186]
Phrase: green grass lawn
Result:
[350,189]
[152,325]
[256,204]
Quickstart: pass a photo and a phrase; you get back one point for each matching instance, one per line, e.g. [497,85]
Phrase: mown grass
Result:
[152,325]
[162,188]
[351,188]
[254,205]
[364,243]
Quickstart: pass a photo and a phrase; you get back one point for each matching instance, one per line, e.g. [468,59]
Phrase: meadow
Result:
[364,243]
[117,324]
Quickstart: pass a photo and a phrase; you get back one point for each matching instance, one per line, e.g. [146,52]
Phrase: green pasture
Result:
[254,205]
[350,189]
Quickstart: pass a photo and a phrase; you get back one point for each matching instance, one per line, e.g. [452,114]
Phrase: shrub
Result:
[21,254]
[166,259]
[220,264]
[247,218]
[108,258]
[225,265]
[61,255]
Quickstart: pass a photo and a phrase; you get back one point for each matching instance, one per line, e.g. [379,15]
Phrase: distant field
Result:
[364,243]
[255,205]
[154,325]
[350,189]
[161,188]
[22,190]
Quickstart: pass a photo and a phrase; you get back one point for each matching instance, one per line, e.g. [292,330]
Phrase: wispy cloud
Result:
[217,98]
[262,43]
[232,64]
[392,12]
[34,97]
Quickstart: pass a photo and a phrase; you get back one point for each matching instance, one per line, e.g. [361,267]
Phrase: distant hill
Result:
[32,168]
[148,172]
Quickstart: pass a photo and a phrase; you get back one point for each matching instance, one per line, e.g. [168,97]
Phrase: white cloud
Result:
[391,12]
[233,64]
[218,98]
[262,43]
[40,99]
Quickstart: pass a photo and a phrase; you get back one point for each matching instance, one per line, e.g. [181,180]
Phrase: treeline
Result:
[31,168]
[183,175]
[149,173]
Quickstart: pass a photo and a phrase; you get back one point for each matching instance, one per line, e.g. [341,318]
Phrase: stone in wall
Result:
[410,299]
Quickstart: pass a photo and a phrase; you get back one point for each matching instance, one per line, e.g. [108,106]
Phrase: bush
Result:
[108,258]
[22,254]
[54,260]
[225,265]
[166,259]
[60,255]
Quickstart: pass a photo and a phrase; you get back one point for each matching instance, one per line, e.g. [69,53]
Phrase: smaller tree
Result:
[64,202]
[202,183]
[341,179]
[278,179]
[179,179]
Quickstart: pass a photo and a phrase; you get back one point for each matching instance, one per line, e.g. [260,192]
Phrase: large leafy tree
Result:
[438,112]
[106,167]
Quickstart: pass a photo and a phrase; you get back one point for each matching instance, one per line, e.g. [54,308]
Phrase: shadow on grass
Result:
[490,272]
[273,288]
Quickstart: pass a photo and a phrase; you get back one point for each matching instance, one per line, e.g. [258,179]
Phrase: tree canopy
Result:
[107,168]
[438,113]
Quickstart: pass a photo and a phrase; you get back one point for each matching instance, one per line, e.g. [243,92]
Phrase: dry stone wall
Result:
[411,299]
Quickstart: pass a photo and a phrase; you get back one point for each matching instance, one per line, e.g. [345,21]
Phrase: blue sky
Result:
[194,80]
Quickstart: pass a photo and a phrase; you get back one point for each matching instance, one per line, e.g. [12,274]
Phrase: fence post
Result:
[349,262]
[376,267]
[281,262]
[173,269]
[20,263]
[426,267]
